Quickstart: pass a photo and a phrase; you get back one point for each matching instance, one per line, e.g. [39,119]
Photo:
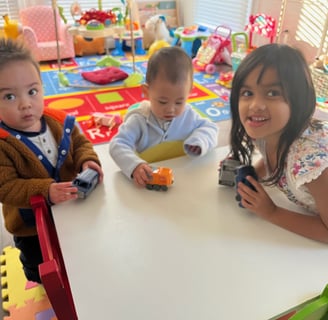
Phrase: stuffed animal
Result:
[156,45]
[155,29]
[12,28]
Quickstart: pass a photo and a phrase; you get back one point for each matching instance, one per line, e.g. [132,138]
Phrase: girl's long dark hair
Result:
[295,77]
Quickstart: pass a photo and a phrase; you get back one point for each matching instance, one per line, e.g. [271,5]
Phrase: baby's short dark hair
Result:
[174,62]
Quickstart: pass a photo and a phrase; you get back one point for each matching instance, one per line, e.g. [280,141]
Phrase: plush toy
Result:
[158,44]
[12,28]
[104,76]
[155,29]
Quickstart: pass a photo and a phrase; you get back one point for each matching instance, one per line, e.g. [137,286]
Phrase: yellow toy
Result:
[11,28]
[155,46]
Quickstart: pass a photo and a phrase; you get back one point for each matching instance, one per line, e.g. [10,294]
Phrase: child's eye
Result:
[33,92]
[274,93]
[9,96]
[162,102]
[245,93]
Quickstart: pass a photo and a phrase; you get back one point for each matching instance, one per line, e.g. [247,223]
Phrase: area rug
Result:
[21,299]
[82,98]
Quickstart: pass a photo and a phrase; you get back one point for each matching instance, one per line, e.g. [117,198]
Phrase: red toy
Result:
[103,17]
[215,50]
[263,25]
[104,76]
[225,79]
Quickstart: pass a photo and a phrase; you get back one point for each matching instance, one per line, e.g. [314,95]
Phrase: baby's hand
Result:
[194,149]
[61,192]
[95,166]
[141,174]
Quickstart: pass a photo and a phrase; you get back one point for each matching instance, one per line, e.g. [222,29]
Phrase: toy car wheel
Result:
[149,186]
[210,68]
[164,188]
[157,187]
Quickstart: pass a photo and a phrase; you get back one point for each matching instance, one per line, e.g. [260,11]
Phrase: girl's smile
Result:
[262,107]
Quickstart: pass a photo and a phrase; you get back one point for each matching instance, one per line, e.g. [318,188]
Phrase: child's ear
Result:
[145,88]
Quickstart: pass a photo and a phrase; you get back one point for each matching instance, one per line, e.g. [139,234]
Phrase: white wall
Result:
[186,12]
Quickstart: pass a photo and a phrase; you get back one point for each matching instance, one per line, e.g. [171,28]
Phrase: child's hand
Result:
[194,149]
[61,192]
[257,201]
[95,166]
[141,174]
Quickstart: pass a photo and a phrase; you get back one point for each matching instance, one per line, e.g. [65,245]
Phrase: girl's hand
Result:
[61,192]
[141,174]
[257,201]
[95,166]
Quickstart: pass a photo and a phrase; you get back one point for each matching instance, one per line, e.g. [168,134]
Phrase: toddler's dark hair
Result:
[15,50]
[174,62]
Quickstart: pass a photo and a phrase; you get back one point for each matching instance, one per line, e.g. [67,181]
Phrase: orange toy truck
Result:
[161,179]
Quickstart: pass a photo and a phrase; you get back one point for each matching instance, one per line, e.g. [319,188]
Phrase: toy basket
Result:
[320,82]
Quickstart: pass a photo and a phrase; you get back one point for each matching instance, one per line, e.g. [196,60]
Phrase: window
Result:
[306,22]
[313,24]
[9,7]
[303,23]
[233,13]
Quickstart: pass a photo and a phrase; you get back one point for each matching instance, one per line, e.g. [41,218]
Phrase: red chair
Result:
[52,270]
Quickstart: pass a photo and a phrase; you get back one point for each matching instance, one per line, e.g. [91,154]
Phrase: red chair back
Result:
[52,270]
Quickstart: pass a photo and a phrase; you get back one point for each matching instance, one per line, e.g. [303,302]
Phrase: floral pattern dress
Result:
[307,159]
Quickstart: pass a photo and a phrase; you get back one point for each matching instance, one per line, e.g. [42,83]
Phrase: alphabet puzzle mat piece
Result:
[22,299]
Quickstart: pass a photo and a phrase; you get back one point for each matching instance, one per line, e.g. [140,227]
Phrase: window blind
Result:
[9,7]
[85,6]
[308,22]
[232,13]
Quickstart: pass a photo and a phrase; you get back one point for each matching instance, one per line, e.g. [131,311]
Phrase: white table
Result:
[188,253]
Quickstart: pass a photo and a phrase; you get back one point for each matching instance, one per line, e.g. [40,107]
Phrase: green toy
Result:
[108,61]
[314,310]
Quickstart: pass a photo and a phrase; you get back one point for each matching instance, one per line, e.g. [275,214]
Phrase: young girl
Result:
[272,103]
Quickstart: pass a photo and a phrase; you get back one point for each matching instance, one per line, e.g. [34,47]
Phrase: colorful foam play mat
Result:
[68,90]
[21,299]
